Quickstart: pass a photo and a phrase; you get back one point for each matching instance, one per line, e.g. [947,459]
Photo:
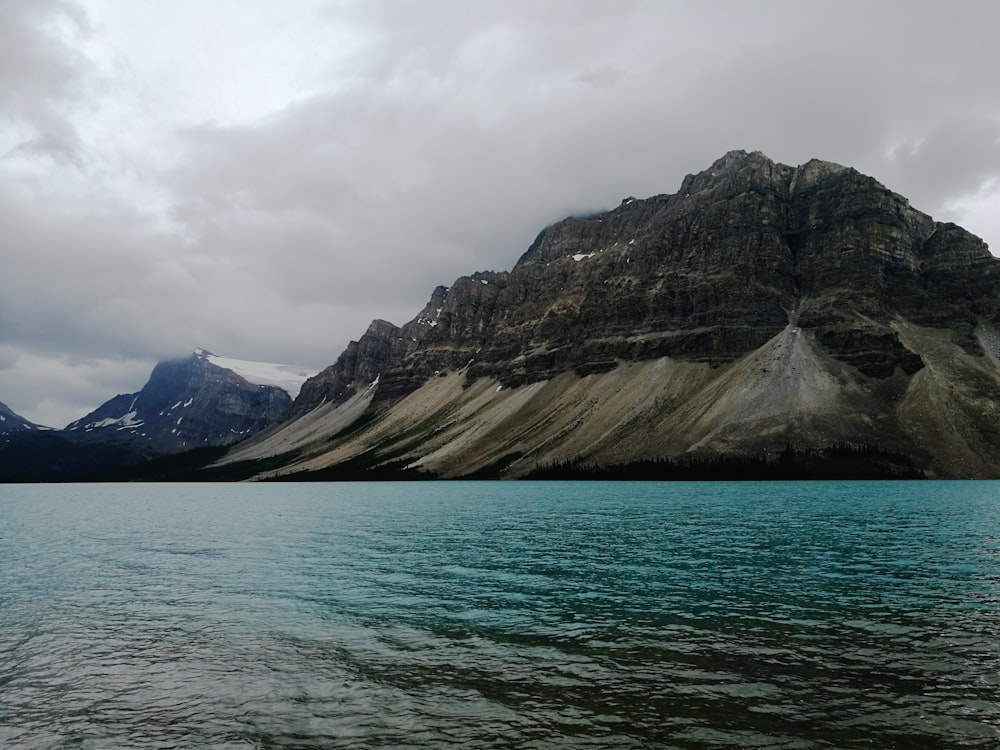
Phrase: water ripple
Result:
[500,615]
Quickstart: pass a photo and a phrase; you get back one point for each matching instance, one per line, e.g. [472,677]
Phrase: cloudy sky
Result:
[262,178]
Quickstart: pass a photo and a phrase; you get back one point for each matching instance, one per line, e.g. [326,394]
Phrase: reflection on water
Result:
[500,615]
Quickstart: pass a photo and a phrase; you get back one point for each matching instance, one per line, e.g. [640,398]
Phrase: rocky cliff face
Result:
[187,403]
[443,336]
[775,304]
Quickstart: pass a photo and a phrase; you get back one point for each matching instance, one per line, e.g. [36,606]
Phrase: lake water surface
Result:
[500,615]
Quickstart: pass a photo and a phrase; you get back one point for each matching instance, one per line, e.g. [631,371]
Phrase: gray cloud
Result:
[39,70]
[437,142]
[8,357]
[955,158]
[62,389]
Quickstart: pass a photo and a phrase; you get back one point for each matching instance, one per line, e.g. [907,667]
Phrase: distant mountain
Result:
[13,424]
[763,315]
[201,401]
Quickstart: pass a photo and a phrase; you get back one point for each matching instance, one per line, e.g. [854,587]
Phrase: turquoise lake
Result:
[500,615]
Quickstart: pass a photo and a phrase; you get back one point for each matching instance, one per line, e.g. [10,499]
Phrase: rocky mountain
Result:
[198,402]
[187,403]
[12,424]
[760,311]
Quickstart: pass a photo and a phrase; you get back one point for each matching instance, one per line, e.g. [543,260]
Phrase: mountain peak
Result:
[760,305]
[739,156]
[738,172]
[11,423]
[202,400]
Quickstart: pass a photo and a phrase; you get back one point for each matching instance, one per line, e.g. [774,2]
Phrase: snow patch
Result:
[430,321]
[582,256]
[286,377]
[188,403]
[127,421]
[124,422]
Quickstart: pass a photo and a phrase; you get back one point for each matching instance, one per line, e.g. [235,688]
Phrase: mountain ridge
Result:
[759,306]
[12,423]
[801,319]
[467,306]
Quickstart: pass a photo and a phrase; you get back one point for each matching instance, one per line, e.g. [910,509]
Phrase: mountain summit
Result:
[762,308]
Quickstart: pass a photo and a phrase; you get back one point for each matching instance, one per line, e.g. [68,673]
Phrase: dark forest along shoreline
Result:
[493,614]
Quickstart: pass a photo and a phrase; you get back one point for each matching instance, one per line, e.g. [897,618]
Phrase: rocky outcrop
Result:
[760,305]
[441,337]
[381,348]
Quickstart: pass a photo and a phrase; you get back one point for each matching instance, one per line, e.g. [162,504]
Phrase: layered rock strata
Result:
[780,304]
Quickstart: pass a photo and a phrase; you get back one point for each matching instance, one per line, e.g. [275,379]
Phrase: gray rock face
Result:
[186,404]
[761,306]
[380,349]
[707,274]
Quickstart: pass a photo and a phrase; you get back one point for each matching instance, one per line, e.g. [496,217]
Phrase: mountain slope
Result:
[759,306]
[13,424]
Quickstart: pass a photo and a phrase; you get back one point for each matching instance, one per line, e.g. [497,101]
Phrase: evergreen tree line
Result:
[836,461]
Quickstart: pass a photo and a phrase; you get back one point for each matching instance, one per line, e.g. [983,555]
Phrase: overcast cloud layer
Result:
[264,178]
